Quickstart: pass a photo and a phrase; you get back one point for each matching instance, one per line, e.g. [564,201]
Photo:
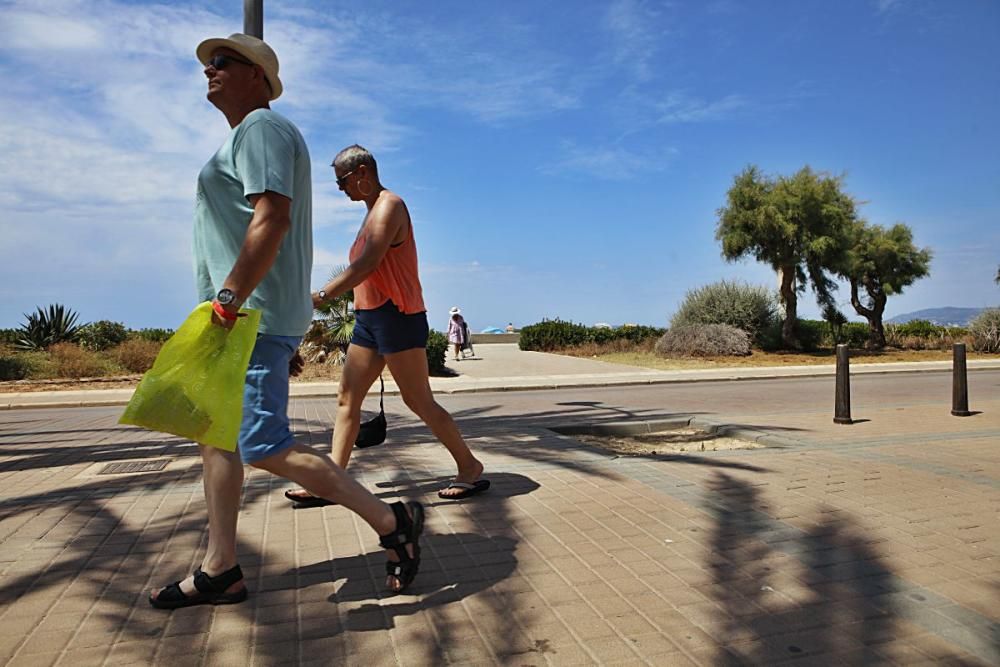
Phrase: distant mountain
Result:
[955,317]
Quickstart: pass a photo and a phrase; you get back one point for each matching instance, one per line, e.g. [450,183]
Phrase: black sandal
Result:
[408,530]
[211,590]
[308,500]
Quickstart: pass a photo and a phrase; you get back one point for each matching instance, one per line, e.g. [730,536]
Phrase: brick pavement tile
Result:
[132,652]
[610,650]
[585,622]
[630,623]
[42,641]
[34,660]
[690,637]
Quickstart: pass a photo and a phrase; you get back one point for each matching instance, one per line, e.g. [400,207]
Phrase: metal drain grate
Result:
[134,466]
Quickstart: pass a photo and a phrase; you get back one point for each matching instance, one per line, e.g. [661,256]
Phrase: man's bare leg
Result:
[363,365]
[320,476]
[222,476]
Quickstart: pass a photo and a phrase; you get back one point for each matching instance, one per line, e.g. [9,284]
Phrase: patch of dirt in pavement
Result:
[672,441]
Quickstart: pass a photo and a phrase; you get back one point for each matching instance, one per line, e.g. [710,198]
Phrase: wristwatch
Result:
[321,294]
[226,297]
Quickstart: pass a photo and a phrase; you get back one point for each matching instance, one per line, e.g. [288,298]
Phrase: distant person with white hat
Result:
[253,246]
[457,331]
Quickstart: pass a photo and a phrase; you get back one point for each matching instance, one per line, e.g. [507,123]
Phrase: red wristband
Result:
[223,313]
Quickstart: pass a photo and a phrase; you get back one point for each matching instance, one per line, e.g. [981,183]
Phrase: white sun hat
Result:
[255,50]
[455,310]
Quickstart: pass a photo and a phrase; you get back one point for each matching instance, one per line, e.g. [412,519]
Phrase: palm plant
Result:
[48,327]
[329,336]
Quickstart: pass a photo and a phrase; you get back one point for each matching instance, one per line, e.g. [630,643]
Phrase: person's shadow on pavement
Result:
[453,566]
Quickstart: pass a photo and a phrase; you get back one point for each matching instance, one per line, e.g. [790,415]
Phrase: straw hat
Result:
[255,50]
[455,310]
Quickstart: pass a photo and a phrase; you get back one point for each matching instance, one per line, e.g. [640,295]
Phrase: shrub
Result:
[9,336]
[13,366]
[918,329]
[48,327]
[854,334]
[550,335]
[152,335]
[751,309]
[704,340]
[137,355]
[437,347]
[923,336]
[72,361]
[985,331]
[102,335]
[813,334]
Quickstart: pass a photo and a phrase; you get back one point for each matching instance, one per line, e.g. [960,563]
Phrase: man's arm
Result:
[270,222]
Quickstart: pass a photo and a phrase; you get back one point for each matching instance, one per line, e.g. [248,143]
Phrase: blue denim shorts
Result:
[387,330]
[264,431]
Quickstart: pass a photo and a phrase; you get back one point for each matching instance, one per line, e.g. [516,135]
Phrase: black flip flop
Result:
[478,486]
[304,502]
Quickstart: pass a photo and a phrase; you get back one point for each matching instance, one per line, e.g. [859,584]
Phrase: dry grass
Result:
[136,355]
[319,373]
[762,359]
[73,361]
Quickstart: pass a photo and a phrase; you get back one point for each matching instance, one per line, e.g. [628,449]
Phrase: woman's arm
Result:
[385,221]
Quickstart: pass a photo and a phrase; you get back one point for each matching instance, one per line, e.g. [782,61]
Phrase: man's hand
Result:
[296,364]
[224,322]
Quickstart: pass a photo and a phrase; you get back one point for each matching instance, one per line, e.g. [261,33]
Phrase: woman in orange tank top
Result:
[390,326]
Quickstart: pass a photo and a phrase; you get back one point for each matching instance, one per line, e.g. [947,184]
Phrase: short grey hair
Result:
[353,157]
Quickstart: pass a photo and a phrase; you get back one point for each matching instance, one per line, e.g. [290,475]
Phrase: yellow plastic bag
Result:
[195,387]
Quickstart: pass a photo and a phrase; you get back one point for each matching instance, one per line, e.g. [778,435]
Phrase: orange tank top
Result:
[395,277]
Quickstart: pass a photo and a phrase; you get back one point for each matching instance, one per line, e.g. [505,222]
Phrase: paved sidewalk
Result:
[875,543]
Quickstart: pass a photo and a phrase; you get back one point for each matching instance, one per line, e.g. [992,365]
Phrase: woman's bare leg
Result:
[409,370]
[361,368]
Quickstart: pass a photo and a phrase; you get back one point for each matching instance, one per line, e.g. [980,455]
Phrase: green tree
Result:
[881,263]
[997,279]
[800,225]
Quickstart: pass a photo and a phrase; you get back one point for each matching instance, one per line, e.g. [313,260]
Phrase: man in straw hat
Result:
[253,246]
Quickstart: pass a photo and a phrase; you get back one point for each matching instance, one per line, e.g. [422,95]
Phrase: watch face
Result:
[225,296]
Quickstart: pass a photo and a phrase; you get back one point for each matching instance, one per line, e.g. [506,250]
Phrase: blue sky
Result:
[559,159]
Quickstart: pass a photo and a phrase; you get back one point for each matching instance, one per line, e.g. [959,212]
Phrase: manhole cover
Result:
[124,467]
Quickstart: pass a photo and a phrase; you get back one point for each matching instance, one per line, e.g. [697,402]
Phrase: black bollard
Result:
[959,383]
[842,410]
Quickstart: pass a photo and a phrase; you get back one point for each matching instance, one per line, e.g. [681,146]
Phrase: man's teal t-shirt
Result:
[264,152]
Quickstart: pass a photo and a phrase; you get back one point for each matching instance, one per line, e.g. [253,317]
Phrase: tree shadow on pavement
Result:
[826,593]
[96,546]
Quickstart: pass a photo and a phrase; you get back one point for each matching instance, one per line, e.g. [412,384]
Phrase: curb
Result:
[392,390]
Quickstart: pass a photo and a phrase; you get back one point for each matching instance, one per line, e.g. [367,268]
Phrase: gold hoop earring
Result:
[363,193]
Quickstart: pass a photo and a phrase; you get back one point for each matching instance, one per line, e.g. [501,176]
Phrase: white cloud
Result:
[884,6]
[632,26]
[613,163]
[680,108]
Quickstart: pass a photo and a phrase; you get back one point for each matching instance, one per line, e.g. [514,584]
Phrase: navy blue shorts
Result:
[387,330]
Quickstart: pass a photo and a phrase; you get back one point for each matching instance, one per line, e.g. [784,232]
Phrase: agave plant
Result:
[47,327]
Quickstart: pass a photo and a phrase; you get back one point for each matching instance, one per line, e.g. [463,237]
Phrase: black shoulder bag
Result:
[372,432]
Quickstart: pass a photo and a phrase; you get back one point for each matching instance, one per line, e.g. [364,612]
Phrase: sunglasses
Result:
[341,180]
[222,61]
